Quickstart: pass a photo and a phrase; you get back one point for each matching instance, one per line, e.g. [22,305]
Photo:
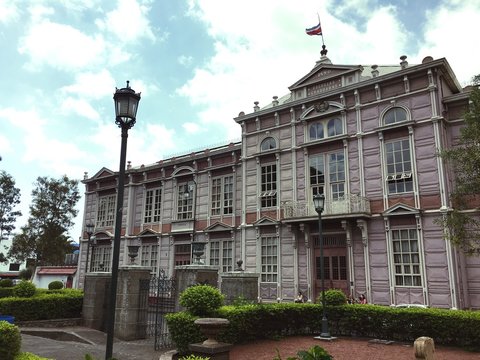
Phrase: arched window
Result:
[316,131]
[394,115]
[334,127]
[268,144]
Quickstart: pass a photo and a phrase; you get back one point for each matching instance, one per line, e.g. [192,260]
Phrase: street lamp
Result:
[126,105]
[319,203]
[89,228]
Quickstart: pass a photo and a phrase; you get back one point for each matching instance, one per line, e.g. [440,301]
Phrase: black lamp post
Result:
[89,228]
[319,203]
[126,105]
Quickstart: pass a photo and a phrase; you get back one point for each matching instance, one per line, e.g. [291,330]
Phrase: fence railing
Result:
[347,204]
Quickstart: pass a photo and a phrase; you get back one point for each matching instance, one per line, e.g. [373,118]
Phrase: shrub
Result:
[333,297]
[29,356]
[6,292]
[183,330]
[26,274]
[24,289]
[10,341]
[55,285]
[201,300]
[5,283]
[194,357]
[314,353]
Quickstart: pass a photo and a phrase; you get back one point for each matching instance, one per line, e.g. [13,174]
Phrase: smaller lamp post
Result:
[319,203]
[89,228]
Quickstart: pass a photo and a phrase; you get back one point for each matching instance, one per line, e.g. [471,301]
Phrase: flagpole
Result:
[318,15]
[324,48]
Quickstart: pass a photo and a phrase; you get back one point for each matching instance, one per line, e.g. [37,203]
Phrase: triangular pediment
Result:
[325,76]
[217,227]
[265,221]
[103,172]
[401,209]
[103,235]
[148,233]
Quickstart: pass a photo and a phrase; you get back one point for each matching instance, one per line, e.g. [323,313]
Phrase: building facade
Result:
[365,137]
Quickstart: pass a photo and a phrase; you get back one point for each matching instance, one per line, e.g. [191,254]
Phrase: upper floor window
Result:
[331,127]
[399,166]
[106,211]
[268,195]
[268,144]
[153,201]
[406,257]
[332,185]
[394,115]
[185,201]
[222,195]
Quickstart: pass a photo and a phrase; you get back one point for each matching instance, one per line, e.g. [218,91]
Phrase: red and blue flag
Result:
[316,30]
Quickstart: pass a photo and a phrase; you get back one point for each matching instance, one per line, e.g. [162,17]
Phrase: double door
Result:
[335,269]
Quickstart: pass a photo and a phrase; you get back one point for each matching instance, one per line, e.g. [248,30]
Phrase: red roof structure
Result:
[57,270]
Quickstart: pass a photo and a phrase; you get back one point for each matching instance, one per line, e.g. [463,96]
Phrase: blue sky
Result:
[197,63]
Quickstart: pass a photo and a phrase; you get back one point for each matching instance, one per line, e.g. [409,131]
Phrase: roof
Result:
[57,270]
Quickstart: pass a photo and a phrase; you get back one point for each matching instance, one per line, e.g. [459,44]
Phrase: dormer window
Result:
[394,115]
[268,144]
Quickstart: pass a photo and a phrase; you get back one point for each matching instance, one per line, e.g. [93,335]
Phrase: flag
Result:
[316,30]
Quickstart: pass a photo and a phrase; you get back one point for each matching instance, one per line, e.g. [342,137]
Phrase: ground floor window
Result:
[183,254]
[269,262]
[225,248]
[406,257]
[149,256]
[101,256]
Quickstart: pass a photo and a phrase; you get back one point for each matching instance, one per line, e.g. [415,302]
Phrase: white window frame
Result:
[398,170]
[153,205]
[406,257]
[333,181]
[185,201]
[149,256]
[106,211]
[101,254]
[221,201]
[269,259]
[221,254]
[268,185]
[326,128]
[397,110]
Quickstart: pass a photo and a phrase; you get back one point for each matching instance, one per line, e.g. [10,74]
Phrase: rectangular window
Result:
[406,257]
[149,256]
[101,258]
[268,193]
[335,175]
[215,253]
[153,200]
[399,166]
[106,211]
[185,201]
[222,196]
[269,260]
[183,254]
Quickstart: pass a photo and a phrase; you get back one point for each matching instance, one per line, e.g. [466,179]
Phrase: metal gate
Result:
[161,301]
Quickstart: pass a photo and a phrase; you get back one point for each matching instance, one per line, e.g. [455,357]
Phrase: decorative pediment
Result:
[401,209]
[148,233]
[103,172]
[217,227]
[103,235]
[321,108]
[324,78]
[266,221]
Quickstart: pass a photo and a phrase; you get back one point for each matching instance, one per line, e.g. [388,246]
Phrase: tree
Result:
[9,198]
[45,236]
[462,224]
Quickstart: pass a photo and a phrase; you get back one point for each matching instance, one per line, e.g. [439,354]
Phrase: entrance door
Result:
[335,264]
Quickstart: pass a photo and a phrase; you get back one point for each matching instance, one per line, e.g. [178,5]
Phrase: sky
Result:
[197,64]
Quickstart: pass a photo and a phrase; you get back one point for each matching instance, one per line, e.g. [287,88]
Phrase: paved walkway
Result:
[73,343]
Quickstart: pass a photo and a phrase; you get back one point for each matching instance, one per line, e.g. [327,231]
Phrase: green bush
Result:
[42,306]
[24,289]
[29,356]
[333,297]
[10,341]
[194,357]
[55,285]
[26,274]
[6,292]
[5,283]
[201,300]
[183,330]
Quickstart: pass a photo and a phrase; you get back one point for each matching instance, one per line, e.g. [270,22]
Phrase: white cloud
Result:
[191,128]
[129,21]
[9,12]
[78,107]
[185,60]
[454,42]
[92,85]
[5,145]
[60,46]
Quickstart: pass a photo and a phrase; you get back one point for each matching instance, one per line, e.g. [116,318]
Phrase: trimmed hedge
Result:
[10,341]
[60,305]
[252,322]
[6,292]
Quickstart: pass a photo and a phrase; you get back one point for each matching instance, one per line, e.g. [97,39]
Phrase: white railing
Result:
[347,204]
